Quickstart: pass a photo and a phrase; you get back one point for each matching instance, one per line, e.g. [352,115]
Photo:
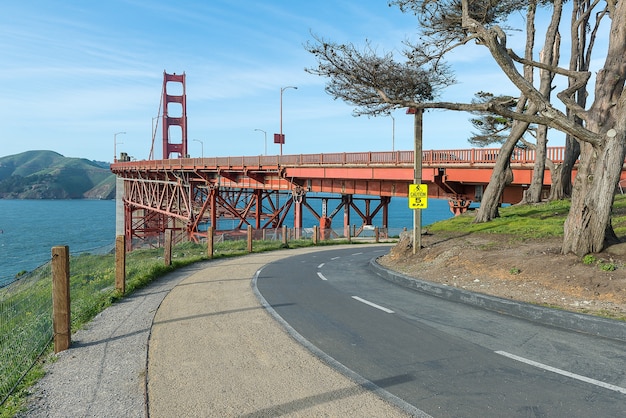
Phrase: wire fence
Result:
[26,328]
[26,322]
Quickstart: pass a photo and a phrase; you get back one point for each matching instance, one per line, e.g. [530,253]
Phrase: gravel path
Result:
[103,372]
[209,348]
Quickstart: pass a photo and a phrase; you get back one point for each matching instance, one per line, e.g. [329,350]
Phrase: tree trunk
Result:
[580,49]
[550,56]
[561,187]
[587,228]
[533,194]
[500,177]
[502,173]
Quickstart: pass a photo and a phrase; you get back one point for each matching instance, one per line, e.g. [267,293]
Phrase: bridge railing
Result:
[454,156]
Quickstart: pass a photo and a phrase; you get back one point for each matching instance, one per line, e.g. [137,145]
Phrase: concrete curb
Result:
[587,324]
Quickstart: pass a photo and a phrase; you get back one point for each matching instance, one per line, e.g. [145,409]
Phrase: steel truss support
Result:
[348,203]
[188,205]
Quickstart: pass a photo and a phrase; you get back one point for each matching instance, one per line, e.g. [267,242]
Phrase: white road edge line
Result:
[321,265]
[357,253]
[563,372]
[372,304]
[335,258]
[321,276]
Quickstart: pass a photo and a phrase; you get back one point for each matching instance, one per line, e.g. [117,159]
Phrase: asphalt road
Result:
[444,358]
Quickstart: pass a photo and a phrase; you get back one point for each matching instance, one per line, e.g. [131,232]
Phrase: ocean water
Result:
[30,228]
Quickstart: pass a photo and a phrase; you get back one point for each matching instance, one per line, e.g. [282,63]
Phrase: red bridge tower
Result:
[179,120]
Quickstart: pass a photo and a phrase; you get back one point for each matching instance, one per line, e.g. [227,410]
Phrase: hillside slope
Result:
[49,175]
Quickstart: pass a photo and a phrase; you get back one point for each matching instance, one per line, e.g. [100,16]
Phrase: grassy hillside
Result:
[49,175]
[529,222]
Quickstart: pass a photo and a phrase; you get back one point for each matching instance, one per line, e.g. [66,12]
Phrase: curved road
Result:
[444,358]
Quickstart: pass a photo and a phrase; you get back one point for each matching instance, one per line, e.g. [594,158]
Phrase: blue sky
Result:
[75,72]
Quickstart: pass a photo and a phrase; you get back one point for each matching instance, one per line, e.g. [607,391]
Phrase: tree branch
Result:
[550,116]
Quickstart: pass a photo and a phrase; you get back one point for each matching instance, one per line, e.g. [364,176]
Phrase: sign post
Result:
[417,180]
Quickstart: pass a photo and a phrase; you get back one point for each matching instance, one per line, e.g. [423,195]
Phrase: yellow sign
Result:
[418,196]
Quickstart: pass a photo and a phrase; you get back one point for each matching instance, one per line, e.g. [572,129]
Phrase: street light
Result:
[265,134]
[115,145]
[281,138]
[393,132]
[202,144]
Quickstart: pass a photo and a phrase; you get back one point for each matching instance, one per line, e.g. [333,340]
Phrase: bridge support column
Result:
[213,208]
[459,206]
[347,202]
[385,203]
[297,215]
[368,215]
[128,227]
[325,227]
[325,221]
[258,201]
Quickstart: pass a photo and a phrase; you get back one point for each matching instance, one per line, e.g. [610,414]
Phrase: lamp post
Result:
[393,132]
[282,89]
[202,145]
[115,145]
[265,136]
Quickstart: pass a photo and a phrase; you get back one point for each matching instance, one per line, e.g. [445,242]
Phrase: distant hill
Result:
[49,175]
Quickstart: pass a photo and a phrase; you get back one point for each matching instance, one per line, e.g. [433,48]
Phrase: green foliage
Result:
[608,266]
[618,218]
[492,128]
[514,271]
[16,402]
[589,259]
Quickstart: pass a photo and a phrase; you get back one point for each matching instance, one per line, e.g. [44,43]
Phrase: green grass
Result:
[527,222]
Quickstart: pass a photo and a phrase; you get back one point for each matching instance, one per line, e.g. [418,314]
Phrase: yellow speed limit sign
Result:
[418,196]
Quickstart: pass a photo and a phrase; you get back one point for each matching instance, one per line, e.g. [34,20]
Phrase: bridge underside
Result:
[189,204]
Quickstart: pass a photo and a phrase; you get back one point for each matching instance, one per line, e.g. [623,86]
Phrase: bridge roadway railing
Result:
[387,158]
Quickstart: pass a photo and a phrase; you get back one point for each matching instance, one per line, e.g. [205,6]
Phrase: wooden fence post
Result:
[314,234]
[209,242]
[167,249]
[120,263]
[284,235]
[249,238]
[61,319]
[376,234]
